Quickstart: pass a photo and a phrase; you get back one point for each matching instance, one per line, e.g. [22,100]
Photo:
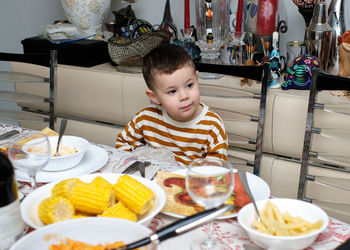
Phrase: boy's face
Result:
[178,93]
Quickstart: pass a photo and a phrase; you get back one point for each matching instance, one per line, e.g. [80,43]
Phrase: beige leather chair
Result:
[259,73]
[48,63]
[327,185]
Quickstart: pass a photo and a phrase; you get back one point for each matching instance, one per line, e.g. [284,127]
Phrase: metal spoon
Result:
[60,134]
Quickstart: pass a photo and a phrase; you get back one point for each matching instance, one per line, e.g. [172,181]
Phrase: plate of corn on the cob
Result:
[122,196]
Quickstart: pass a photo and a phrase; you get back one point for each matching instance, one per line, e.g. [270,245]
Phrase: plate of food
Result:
[88,233]
[179,204]
[95,195]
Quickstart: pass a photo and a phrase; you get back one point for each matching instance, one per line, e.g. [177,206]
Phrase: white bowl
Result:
[295,207]
[98,230]
[29,206]
[60,163]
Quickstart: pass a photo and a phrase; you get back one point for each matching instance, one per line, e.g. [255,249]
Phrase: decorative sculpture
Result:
[275,64]
[344,54]
[344,60]
[300,72]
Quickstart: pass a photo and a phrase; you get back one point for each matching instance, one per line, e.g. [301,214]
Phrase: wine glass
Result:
[29,152]
[210,183]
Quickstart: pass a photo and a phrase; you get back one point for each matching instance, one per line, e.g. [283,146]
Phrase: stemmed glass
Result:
[29,152]
[210,183]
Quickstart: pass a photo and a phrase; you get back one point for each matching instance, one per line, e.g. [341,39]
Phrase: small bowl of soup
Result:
[71,152]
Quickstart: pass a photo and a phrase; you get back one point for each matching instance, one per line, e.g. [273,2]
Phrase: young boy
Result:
[176,119]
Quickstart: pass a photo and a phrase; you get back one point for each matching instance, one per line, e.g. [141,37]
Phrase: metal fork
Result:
[137,166]
[9,134]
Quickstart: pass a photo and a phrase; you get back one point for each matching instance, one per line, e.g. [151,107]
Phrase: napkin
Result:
[156,154]
[60,31]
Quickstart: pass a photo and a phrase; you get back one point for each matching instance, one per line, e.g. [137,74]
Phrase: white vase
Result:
[86,15]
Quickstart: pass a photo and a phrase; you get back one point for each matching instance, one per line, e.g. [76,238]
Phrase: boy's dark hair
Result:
[164,59]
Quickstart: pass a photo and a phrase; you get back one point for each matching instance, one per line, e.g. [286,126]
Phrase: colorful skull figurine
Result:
[300,72]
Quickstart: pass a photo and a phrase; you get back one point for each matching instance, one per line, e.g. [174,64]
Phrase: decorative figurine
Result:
[250,50]
[249,62]
[344,54]
[167,22]
[300,72]
[275,64]
[344,61]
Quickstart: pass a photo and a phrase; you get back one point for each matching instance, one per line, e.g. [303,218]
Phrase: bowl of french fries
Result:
[284,224]
[71,152]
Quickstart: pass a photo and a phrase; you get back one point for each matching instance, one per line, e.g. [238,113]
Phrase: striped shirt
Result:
[201,137]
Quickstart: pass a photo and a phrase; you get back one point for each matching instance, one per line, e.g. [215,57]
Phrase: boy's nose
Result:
[184,94]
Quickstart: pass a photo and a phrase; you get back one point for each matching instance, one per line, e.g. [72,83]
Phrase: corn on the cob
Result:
[81,215]
[134,194]
[54,209]
[102,182]
[119,210]
[64,188]
[91,198]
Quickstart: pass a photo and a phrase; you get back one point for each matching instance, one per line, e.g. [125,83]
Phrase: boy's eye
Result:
[190,85]
[172,91]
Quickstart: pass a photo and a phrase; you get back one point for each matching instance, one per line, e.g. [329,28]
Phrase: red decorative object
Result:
[239,18]
[266,20]
[187,15]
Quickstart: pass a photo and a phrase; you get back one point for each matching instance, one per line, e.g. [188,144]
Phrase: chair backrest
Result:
[320,81]
[259,73]
[43,59]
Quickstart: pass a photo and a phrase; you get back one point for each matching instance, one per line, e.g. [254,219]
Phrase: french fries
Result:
[273,222]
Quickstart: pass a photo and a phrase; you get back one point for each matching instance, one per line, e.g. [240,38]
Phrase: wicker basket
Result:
[129,52]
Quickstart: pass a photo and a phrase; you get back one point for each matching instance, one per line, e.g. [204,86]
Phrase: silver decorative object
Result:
[318,35]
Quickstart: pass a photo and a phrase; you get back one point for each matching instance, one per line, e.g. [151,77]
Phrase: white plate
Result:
[94,159]
[259,188]
[98,230]
[29,206]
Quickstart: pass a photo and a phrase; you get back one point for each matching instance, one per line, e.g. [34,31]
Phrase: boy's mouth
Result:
[187,107]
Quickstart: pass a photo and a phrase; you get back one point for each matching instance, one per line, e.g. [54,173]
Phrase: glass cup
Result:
[29,152]
[295,49]
[209,182]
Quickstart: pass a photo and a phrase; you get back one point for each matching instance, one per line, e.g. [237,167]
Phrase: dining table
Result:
[228,232]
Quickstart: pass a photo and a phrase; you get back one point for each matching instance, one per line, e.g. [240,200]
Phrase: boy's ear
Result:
[197,72]
[152,96]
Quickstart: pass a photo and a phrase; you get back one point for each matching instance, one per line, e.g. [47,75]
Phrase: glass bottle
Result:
[11,223]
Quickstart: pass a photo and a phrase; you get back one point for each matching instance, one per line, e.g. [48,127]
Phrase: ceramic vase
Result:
[86,15]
